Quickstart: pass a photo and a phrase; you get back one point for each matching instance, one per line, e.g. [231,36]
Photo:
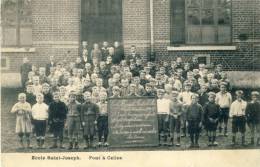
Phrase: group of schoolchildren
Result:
[72,97]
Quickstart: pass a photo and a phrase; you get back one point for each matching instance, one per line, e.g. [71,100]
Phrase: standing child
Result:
[37,87]
[224,100]
[211,115]
[102,120]
[163,109]
[48,98]
[57,117]
[238,115]
[30,97]
[194,117]
[22,109]
[88,118]
[40,116]
[175,120]
[253,117]
[185,98]
[73,120]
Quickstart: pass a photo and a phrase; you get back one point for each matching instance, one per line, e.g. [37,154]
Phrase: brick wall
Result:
[245,19]
[56,30]
[136,25]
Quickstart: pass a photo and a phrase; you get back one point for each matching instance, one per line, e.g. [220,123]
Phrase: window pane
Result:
[224,34]
[193,16]
[224,16]
[193,35]
[3,62]
[26,36]
[25,12]
[224,3]
[207,17]
[207,4]
[10,37]
[178,21]
[193,3]
[9,12]
[208,34]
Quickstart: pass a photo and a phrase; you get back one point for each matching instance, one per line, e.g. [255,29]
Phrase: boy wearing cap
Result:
[253,117]
[238,115]
[224,100]
[194,117]
[175,118]
[73,120]
[88,117]
[57,117]
[102,120]
[211,116]
[163,109]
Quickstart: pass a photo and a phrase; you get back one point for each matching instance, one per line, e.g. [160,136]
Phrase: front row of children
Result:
[170,112]
[59,115]
[208,116]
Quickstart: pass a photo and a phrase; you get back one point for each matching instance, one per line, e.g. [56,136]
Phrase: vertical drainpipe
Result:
[152,28]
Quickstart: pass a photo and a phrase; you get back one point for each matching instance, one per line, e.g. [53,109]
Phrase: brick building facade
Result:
[56,27]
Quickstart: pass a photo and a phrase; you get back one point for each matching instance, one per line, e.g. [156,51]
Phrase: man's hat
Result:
[255,93]
[212,94]
[175,93]
[239,92]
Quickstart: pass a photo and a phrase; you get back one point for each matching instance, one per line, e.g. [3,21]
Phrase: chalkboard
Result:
[132,122]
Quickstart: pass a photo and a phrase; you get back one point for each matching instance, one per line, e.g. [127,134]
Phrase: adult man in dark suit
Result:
[85,52]
[26,67]
[133,55]
[118,53]
[50,64]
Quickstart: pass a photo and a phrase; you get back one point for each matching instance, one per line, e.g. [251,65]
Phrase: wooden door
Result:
[101,20]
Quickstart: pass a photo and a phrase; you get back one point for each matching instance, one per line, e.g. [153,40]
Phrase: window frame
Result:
[18,27]
[215,25]
[7,59]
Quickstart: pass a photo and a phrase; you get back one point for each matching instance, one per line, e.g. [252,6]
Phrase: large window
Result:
[16,23]
[201,21]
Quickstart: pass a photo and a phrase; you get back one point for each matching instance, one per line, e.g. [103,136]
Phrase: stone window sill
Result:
[18,50]
[200,48]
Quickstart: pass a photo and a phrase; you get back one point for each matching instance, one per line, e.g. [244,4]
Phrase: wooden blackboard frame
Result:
[155,125]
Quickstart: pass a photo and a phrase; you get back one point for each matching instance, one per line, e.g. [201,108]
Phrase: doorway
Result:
[101,20]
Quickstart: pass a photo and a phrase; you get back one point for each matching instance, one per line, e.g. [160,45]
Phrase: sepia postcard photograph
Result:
[130,83]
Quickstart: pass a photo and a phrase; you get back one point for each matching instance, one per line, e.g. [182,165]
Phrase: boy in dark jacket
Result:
[88,117]
[73,120]
[253,117]
[211,115]
[57,117]
[194,118]
[48,98]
